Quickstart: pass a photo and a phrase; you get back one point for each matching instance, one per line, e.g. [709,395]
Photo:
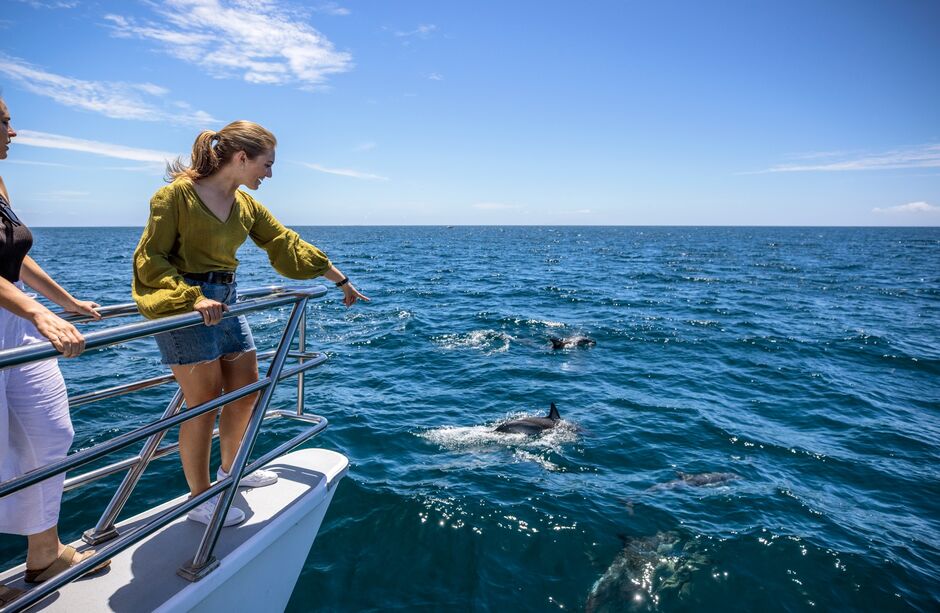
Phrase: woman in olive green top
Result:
[185,261]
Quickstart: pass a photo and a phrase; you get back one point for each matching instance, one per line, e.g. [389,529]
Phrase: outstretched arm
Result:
[295,258]
[35,277]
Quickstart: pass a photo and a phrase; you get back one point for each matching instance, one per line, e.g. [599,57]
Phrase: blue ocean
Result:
[791,375]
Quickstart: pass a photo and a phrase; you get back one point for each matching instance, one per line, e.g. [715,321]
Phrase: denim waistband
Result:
[224,277]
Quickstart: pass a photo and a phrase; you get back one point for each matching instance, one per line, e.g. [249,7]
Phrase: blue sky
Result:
[523,112]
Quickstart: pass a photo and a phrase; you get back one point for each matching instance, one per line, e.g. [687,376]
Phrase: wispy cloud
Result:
[50,4]
[331,8]
[434,76]
[117,100]
[57,141]
[917,208]
[422,31]
[365,147]
[259,41]
[34,163]
[923,156]
[345,172]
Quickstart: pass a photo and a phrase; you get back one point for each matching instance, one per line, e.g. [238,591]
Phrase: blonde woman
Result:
[186,262]
[35,426]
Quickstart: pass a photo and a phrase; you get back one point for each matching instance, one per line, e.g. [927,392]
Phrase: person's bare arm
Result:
[34,276]
[63,335]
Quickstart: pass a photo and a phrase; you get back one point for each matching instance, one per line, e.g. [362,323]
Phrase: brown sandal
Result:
[66,560]
[9,594]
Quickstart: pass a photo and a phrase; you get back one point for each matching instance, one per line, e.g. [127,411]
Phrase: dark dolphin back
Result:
[528,425]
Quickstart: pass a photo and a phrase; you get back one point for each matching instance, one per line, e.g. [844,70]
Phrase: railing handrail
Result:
[93,340]
[126,309]
[203,562]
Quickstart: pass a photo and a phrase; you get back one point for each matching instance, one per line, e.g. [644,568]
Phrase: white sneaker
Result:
[203,513]
[259,478]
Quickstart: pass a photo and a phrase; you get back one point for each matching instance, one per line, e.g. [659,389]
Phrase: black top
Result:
[15,241]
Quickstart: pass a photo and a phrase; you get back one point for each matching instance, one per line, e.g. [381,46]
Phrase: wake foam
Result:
[524,448]
[487,341]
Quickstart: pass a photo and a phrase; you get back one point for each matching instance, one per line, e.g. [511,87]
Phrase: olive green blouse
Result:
[183,235]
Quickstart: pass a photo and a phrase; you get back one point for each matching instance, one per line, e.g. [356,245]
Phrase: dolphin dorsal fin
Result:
[553,414]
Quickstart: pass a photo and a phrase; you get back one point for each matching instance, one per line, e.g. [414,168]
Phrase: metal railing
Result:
[105,532]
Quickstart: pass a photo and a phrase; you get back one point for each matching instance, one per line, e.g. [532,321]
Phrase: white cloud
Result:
[117,100]
[345,172]
[34,163]
[365,147]
[50,4]
[331,8]
[910,207]
[436,76]
[259,41]
[923,156]
[57,141]
[422,31]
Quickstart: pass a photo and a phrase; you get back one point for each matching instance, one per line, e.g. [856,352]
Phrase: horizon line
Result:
[441,225]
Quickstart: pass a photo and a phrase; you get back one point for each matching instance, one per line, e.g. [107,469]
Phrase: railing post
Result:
[302,349]
[204,562]
[104,530]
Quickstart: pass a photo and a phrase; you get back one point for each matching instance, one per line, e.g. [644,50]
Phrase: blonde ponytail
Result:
[212,150]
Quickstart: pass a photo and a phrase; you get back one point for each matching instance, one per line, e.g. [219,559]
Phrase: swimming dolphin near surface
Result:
[696,480]
[571,341]
[531,425]
[645,568]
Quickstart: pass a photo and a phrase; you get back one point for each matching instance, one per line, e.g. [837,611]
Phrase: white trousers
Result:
[35,429]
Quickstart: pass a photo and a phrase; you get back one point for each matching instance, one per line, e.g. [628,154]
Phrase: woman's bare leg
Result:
[200,383]
[236,372]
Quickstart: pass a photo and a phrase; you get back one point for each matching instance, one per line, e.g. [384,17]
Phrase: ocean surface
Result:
[803,364]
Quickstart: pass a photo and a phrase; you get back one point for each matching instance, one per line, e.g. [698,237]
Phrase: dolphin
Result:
[696,480]
[571,341]
[531,425]
[645,566]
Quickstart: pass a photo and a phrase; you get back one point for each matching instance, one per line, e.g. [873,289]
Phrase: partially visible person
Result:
[35,427]
[186,262]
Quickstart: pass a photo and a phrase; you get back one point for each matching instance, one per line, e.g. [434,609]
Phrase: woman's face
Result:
[256,170]
[7,128]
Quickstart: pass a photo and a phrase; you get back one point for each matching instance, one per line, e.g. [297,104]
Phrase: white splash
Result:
[487,341]
[525,448]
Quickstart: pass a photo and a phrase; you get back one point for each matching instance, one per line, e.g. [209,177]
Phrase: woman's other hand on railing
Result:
[211,310]
[64,337]
[85,307]
[351,295]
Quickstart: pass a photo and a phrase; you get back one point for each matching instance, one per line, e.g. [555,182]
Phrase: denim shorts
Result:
[202,343]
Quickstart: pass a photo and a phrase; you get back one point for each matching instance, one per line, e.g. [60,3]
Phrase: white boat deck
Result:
[260,559]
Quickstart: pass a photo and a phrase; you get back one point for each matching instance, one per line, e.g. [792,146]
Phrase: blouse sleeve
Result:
[159,289]
[289,254]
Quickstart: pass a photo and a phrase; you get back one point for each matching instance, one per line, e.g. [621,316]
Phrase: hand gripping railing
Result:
[203,561]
